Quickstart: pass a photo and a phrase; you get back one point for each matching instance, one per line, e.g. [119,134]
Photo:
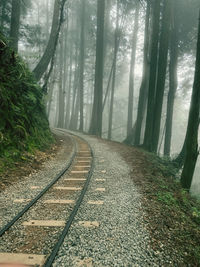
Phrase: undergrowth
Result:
[177,207]
[23,123]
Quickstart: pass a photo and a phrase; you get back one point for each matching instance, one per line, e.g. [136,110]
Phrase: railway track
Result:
[60,198]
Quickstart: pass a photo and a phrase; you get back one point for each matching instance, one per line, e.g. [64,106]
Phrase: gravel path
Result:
[120,239]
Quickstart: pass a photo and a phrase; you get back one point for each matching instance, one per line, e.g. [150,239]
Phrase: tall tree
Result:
[96,121]
[153,75]
[145,78]
[82,62]
[193,126]
[116,46]
[132,70]
[53,39]
[15,23]
[161,75]
[61,101]
[173,80]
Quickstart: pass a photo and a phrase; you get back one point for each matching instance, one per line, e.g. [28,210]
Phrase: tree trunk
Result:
[53,39]
[75,89]
[161,75]
[96,122]
[132,71]
[50,92]
[145,78]
[61,89]
[68,99]
[116,46]
[15,24]
[153,75]
[173,80]
[82,63]
[193,125]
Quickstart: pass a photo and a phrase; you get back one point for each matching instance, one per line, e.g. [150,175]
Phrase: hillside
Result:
[23,123]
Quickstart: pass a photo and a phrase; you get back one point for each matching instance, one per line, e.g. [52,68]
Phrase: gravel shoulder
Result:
[121,237]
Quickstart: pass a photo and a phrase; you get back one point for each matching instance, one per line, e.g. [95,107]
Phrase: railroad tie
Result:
[67,188]
[44,223]
[20,258]
[74,179]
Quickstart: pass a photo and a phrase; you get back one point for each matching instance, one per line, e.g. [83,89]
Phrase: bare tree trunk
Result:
[153,75]
[132,71]
[82,63]
[61,88]
[75,81]
[50,92]
[173,81]
[68,100]
[96,122]
[110,121]
[161,75]
[145,78]
[15,24]
[193,126]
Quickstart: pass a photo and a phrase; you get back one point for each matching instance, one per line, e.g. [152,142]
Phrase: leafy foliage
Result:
[23,123]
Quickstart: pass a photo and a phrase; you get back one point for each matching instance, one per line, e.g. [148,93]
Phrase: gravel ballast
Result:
[121,238]
[117,235]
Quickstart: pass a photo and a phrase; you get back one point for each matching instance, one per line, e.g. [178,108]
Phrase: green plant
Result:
[166,197]
[23,122]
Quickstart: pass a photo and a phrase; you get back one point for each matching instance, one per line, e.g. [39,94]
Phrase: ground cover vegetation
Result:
[23,122]
[172,215]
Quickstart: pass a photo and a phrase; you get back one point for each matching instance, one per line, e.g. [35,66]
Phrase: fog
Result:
[64,83]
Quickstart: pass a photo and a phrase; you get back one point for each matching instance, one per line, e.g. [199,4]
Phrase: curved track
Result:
[77,156]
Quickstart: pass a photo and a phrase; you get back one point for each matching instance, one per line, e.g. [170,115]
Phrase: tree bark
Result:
[82,63]
[153,75]
[132,71]
[15,24]
[173,80]
[96,122]
[145,78]
[61,88]
[116,46]
[68,96]
[161,75]
[193,125]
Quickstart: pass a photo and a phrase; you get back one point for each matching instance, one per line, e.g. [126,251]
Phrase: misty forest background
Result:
[120,69]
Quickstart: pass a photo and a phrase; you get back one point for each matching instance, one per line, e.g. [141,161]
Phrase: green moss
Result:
[23,123]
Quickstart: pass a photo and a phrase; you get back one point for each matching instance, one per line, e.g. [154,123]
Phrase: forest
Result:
[123,70]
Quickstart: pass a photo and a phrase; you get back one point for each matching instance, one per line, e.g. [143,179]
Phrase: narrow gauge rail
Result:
[76,154]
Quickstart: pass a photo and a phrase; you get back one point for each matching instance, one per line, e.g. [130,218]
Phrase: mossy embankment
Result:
[23,123]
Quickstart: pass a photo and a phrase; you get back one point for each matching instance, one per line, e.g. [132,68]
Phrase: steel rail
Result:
[34,200]
[56,248]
